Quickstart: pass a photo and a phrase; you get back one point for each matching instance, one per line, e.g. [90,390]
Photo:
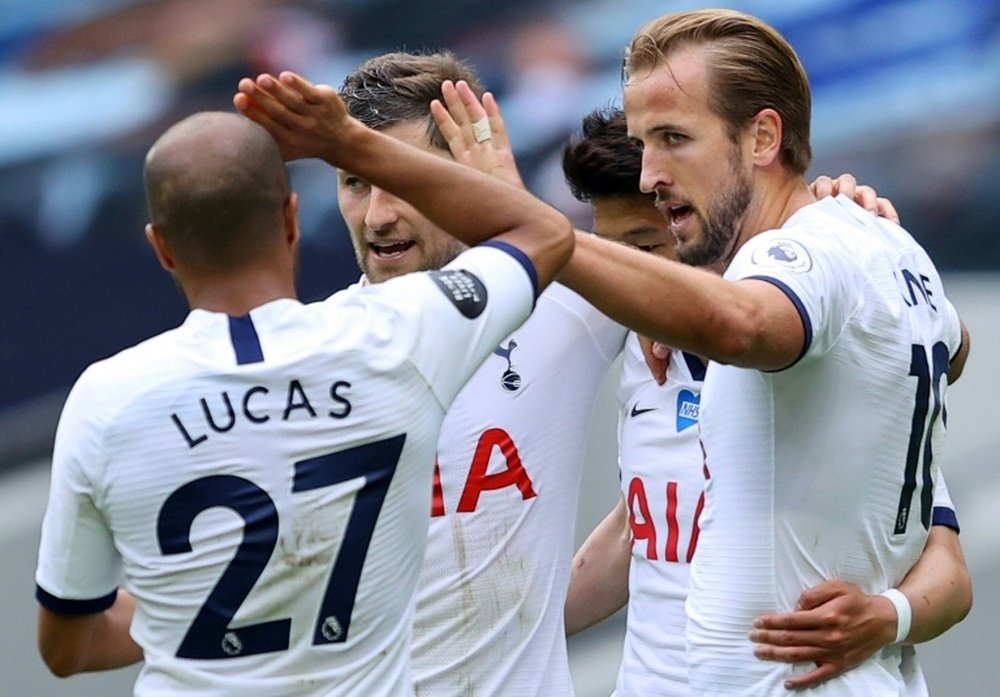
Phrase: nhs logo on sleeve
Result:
[688,405]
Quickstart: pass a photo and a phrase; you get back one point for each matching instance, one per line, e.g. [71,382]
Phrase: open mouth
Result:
[389,250]
[679,214]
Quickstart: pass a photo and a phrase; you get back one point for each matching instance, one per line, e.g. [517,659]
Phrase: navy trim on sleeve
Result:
[245,341]
[961,345]
[521,257]
[946,517]
[695,365]
[799,306]
[74,607]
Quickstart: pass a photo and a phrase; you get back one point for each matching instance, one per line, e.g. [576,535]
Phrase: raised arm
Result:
[311,121]
[475,131]
[598,586]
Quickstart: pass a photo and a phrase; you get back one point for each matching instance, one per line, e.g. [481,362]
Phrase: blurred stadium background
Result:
[906,96]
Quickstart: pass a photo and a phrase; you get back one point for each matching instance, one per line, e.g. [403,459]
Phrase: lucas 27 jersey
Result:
[263,481]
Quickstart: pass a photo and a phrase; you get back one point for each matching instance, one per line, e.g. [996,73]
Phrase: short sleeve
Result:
[815,278]
[943,509]
[78,564]
[450,320]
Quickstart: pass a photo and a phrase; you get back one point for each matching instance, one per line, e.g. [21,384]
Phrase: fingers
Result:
[655,361]
[865,197]
[661,350]
[307,91]
[256,106]
[470,101]
[265,101]
[822,187]
[458,111]
[497,125]
[794,653]
[862,194]
[820,594]
[845,184]
[451,131]
[800,620]
[814,677]
[283,92]
[885,209]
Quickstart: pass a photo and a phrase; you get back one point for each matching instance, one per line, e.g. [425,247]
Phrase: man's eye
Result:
[352,182]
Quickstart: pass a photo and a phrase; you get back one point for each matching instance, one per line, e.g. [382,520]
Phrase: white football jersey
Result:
[489,617]
[825,469]
[263,482]
[663,482]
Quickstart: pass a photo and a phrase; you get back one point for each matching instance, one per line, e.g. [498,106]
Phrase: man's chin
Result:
[695,256]
[376,273]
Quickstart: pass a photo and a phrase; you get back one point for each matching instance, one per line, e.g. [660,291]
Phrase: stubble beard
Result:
[434,261]
[720,226]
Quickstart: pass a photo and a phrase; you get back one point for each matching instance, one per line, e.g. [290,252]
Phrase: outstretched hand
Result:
[837,626]
[307,120]
[863,195]
[475,131]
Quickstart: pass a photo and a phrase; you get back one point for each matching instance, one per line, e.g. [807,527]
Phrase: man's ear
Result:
[766,131]
[160,247]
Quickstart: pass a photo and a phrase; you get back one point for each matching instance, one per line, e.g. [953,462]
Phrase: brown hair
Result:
[397,87]
[751,67]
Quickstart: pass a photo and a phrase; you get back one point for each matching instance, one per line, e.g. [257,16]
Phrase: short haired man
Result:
[489,611]
[640,554]
[831,339]
[261,474]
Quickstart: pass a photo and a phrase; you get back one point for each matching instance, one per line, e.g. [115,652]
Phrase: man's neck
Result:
[237,295]
[776,201]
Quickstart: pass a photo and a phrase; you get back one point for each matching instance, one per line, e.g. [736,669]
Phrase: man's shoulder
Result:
[134,361]
[558,303]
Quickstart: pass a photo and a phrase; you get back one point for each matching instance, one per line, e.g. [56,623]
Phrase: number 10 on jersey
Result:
[919,451]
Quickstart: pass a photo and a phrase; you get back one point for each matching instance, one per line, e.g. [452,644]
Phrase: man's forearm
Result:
[598,587]
[938,586]
[72,644]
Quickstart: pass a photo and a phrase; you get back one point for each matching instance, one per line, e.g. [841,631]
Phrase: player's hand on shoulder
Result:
[475,131]
[862,194]
[307,120]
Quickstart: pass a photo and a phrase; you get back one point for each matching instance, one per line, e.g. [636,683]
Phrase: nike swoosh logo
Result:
[636,410]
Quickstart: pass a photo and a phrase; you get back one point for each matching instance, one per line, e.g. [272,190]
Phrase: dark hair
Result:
[216,186]
[397,87]
[751,67]
[602,160]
